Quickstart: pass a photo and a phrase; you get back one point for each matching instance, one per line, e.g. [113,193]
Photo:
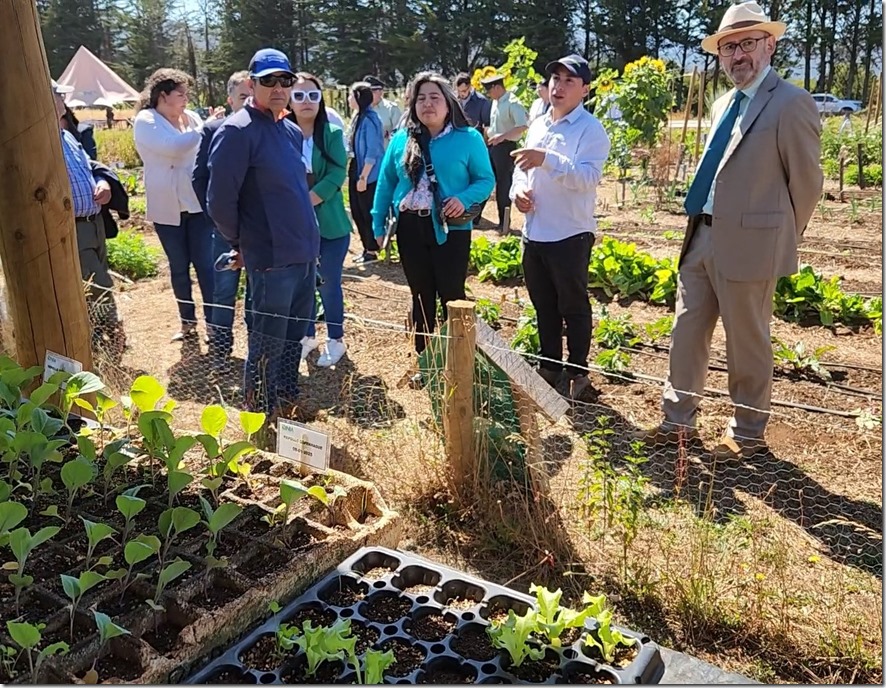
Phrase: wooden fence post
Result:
[872,100]
[458,398]
[701,86]
[38,238]
[861,180]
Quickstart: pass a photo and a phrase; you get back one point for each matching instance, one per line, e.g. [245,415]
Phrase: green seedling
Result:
[130,506]
[95,533]
[135,552]
[103,405]
[168,574]
[75,588]
[27,637]
[216,521]
[172,523]
[213,421]
[615,332]
[660,330]
[39,450]
[7,661]
[13,380]
[375,662]
[552,620]
[145,393]
[77,386]
[176,482]
[513,635]
[326,643]
[115,459]
[22,543]
[800,361]
[251,423]
[284,640]
[11,514]
[76,475]
[107,630]
[606,639]
[292,491]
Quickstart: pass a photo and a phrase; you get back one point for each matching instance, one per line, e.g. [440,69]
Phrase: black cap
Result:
[575,64]
[373,81]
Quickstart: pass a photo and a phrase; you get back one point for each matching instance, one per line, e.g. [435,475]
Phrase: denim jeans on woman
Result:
[189,244]
[332,259]
[282,302]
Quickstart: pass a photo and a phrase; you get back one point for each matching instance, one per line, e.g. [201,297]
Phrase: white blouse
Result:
[168,156]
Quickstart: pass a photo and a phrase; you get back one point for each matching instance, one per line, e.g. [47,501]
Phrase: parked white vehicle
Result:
[831,105]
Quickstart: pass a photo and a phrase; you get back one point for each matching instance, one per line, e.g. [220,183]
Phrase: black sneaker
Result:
[367,257]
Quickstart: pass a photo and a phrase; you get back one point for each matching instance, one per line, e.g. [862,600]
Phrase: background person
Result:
[434,256]
[326,161]
[387,110]
[542,104]
[366,146]
[167,137]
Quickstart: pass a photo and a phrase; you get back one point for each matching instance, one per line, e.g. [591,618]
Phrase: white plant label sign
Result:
[299,443]
[56,362]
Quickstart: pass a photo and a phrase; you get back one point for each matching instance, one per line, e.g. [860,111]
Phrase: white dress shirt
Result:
[168,156]
[564,187]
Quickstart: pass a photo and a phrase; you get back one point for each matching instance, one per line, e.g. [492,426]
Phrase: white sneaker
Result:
[308,344]
[335,349]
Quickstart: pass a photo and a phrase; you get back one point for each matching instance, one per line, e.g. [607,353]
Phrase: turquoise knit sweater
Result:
[463,170]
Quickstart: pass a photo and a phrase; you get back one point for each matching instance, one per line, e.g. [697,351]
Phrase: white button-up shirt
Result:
[564,187]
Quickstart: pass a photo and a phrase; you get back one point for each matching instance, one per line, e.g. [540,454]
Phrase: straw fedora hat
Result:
[744,17]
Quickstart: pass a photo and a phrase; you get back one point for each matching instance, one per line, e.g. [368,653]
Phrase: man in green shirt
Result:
[387,110]
[507,122]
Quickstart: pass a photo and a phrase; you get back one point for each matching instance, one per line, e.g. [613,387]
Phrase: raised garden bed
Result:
[154,598]
[436,621]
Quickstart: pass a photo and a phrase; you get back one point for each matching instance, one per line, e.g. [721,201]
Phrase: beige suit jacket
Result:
[768,185]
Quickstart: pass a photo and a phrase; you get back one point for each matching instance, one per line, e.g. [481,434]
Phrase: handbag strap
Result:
[424,145]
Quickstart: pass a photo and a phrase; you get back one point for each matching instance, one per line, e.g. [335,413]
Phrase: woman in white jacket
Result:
[167,137]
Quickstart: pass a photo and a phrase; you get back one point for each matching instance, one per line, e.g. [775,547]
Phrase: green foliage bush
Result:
[129,255]
[117,146]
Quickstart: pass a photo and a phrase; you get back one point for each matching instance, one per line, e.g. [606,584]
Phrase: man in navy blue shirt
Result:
[258,198]
[477,109]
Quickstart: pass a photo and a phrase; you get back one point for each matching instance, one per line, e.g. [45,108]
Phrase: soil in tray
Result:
[431,627]
[215,597]
[52,562]
[34,609]
[344,596]
[588,677]
[461,603]
[252,527]
[536,671]
[387,608]
[115,607]
[472,642]
[624,655]
[327,672]
[84,627]
[377,572]
[259,491]
[261,655]
[446,677]
[366,636]
[419,589]
[228,677]
[407,658]
[117,667]
[317,617]
[263,563]
[164,638]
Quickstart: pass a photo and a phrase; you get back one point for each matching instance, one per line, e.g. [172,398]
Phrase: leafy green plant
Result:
[221,458]
[172,523]
[95,533]
[799,361]
[76,475]
[326,643]
[28,638]
[660,330]
[614,332]
[606,639]
[75,588]
[107,630]
[489,312]
[552,620]
[136,551]
[77,386]
[116,457]
[291,491]
[129,255]
[130,506]
[525,339]
[513,636]
[215,521]
[284,640]
[806,293]
[11,514]
[614,361]
[103,406]
[22,543]
[496,261]
[168,574]
[375,662]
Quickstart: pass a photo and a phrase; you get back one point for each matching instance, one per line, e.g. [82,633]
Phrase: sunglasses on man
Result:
[306,96]
[272,80]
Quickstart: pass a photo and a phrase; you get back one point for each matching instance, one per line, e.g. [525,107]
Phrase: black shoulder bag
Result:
[469,214]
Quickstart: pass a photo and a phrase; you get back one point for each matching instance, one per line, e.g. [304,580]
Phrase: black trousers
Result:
[503,167]
[361,208]
[432,270]
[557,280]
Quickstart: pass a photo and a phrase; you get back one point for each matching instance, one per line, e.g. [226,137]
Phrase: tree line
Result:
[831,45]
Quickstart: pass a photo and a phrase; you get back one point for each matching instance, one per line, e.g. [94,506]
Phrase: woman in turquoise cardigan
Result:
[434,254]
[326,161]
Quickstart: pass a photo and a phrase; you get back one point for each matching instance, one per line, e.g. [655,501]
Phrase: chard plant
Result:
[95,533]
[130,506]
[28,638]
[172,523]
[215,521]
[513,636]
[22,543]
[606,639]
[76,475]
[167,574]
[107,630]
[326,643]
[75,588]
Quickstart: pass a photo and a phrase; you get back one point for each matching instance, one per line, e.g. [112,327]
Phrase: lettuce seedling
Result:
[168,574]
[284,640]
[326,643]
[95,533]
[553,620]
[22,543]
[75,588]
[375,662]
[513,635]
[606,639]
[27,637]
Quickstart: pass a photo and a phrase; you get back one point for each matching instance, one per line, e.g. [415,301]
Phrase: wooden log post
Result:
[701,86]
[861,180]
[458,399]
[38,238]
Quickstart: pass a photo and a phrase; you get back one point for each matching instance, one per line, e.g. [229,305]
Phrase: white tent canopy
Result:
[94,83]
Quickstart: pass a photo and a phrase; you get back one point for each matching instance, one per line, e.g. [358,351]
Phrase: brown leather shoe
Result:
[552,377]
[578,386]
[732,448]
[665,434]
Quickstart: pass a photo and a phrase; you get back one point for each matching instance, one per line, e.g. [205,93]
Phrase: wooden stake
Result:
[879,104]
[700,115]
[861,181]
[689,96]
[38,238]
[874,97]
[458,410]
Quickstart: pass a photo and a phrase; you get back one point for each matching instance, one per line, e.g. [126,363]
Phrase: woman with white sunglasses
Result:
[326,161]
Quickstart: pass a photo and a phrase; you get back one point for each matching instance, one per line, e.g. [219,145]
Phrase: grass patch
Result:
[129,255]
[117,146]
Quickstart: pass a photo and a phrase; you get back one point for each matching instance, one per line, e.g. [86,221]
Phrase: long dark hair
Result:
[164,80]
[418,133]
[362,92]
[322,119]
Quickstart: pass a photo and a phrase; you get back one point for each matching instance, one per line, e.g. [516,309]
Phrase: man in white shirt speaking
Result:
[555,186]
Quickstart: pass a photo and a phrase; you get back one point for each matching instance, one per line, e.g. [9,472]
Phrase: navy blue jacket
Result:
[477,109]
[200,178]
[258,194]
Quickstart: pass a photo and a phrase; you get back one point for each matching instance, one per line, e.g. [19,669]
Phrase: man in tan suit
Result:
[753,194]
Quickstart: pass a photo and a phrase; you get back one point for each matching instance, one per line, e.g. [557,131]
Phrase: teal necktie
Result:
[701,185]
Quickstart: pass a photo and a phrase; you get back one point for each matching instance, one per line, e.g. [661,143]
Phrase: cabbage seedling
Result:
[107,630]
[27,637]
[95,533]
[513,635]
[75,588]
[76,474]
[135,552]
[130,506]
[216,521]
[22,543]
[174,522]
[167,575]
[11,514]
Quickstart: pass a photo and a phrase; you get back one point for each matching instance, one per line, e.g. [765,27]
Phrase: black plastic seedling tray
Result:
[452,647]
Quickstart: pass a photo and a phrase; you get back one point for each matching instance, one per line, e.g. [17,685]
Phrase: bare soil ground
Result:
[771,567]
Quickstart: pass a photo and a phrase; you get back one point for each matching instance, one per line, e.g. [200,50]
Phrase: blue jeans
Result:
[282,300]
[332,259]
[189,244]
[224,299]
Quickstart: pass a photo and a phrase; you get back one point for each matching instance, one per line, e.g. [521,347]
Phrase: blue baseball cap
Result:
[574,64]
[269,61]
